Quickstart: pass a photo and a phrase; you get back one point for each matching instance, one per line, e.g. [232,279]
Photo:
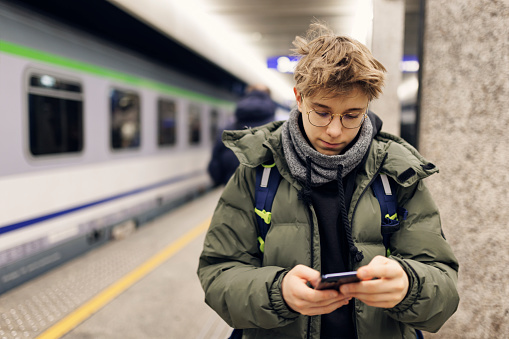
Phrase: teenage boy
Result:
[326,218]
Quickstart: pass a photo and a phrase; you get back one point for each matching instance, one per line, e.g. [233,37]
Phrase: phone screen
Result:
[334,280]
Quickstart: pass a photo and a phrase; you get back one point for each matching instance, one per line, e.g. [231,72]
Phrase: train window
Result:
[167,116]
[194,124]
[214,124]
[125,119]
[55,115]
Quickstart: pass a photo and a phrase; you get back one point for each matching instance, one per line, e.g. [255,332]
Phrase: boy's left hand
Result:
[386,291]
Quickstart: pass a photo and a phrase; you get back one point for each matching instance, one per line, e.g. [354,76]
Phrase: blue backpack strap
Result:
[391,213]
[267,182]
[236,334]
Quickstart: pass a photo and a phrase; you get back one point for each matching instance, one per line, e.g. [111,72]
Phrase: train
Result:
[95,141]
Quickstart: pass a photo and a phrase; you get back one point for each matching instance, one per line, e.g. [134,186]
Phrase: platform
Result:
[143,286]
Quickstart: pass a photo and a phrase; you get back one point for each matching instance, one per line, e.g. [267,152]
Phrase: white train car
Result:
[94,141]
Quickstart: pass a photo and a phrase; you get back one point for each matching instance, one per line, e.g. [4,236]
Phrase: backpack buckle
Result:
[266,216]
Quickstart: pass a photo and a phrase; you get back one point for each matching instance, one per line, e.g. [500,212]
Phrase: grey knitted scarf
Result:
[324,168]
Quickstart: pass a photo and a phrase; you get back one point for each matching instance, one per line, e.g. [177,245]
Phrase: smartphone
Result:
[334,280]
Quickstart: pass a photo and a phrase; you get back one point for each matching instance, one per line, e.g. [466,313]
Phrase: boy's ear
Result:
[298,98]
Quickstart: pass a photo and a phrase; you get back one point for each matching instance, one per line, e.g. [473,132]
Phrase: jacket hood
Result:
[251,146]
[389,154]
[376,122]
[400,160]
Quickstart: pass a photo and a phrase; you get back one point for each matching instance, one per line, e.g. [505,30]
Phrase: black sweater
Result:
[334,250]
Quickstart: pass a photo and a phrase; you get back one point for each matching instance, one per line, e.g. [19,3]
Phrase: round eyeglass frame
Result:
[364,115]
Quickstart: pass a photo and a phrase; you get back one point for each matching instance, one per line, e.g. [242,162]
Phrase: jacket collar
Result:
[260,145]
[398,159]
[388,153]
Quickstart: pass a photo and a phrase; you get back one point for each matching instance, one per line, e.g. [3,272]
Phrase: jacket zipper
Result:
[353,214]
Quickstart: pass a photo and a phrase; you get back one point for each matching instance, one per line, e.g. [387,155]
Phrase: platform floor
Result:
[143,286]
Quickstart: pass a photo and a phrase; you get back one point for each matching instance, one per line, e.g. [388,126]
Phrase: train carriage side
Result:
[94,142]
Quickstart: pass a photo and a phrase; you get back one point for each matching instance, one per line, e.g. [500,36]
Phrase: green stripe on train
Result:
[30,53]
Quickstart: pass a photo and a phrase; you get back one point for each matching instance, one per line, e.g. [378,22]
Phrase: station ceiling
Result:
[271,25]
[267,27]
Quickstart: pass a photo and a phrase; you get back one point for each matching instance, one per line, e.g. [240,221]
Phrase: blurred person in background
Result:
[256,108]
[326,218]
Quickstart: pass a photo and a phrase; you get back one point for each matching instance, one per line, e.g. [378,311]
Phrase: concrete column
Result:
[463,130]
[387,47]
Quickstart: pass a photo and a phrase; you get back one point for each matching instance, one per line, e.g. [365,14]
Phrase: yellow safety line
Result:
[79,315]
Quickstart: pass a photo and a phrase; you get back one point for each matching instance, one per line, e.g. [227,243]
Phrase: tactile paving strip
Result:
[24,315]
[28,310]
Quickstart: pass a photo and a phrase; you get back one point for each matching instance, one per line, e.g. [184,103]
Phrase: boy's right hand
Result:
[308,301]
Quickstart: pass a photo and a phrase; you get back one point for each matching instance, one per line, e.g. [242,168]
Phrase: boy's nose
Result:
[335,128]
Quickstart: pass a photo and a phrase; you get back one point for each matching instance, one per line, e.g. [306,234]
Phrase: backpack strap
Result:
[236,334]
[267,182]
[391,213]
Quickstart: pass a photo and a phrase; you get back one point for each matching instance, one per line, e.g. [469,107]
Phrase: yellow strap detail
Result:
[271,165]
[266,216]
[392,217]
[262,244]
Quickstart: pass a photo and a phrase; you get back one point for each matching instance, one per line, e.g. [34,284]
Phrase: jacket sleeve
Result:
[421,249]
[237,287]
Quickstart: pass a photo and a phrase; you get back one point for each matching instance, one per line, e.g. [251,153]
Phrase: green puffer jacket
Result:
[245,290]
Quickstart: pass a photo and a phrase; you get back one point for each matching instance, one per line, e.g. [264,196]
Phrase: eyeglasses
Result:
[348,120]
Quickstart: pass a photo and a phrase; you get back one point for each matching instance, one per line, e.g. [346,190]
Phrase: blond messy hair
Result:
[335,65]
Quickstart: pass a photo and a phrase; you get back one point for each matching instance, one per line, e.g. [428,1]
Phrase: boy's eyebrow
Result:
[320,105]
[356,109]
[327,107]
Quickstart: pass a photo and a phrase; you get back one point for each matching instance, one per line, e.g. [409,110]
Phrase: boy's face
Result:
[333,138]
